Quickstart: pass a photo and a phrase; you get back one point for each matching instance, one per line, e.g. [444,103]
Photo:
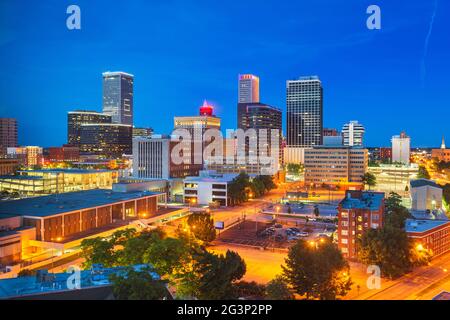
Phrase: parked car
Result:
[278,226]
[304,234]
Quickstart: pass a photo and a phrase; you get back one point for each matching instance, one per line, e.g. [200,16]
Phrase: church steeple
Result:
[443,143]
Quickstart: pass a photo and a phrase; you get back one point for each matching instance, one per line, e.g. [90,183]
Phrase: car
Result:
[293,238]
[294,229]
[278,226]
[303,234]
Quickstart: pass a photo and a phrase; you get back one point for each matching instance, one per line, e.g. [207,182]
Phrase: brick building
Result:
[358,212]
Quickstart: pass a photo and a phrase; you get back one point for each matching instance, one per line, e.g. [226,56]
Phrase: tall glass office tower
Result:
[304,112]
[118,96]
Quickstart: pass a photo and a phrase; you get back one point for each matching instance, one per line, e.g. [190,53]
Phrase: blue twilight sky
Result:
[182,52]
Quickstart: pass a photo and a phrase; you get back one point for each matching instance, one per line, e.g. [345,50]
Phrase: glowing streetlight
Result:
[420,247]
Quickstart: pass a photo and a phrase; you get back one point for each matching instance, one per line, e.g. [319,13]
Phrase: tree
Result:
[244,289]
[237,187]
[446,196]
[317,270]
[216,275]
[136,285]
[369,179]
[168,256]
[98,251]
[294,169]
[390,249]
[278,289]
[423,173]
[396,214]
[202,226]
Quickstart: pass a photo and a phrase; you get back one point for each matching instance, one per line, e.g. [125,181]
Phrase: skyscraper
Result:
[261,116]
[401,148]
[248,88]
[75,119]
[118,96]
[304,112]
[353,133]
[107,140]
[8,134]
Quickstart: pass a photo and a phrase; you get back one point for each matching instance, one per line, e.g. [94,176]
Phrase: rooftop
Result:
[67,202]
[424,182]
[419,226]
[67,171]
[48,283]
[366,200]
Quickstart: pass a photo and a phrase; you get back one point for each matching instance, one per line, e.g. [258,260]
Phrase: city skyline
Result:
[383,85]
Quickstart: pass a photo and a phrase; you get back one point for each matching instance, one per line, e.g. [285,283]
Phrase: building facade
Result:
[152,159]
[426,195]
[208,188]
[28,156]
[442,154]
[353,134]
[142,132]
[75,119]
[336,166]
[107,140]
[8,134]
[331,132]
[61,154]
[248,89]
[394,177]
[357,213]
[32,183]
[8,166]
[401,149]
[430,235]
[69,216]
[304,112]
[118,96]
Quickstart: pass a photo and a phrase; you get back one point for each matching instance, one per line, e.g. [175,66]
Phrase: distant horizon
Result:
[390,80]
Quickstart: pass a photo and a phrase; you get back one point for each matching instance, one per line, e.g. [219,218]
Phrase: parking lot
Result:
[272,234]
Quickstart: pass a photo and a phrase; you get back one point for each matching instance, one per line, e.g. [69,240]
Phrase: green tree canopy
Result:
[202,226]
[317,270]
[217,275]
[369,179]
[278,289]
[423,173]
[136,285]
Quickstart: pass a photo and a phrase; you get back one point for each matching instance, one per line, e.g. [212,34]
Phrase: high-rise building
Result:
[107,140]
[358,212]
[75,119]
[152,159]
[353,133]
[330,132]
[304,112]
[401,148]
[197,125]
[118,96]
[248,88]
[336,165]
[261,116]
[8,134]
[27,156]
[142,132]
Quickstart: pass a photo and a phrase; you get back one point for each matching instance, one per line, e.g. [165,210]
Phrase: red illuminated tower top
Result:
[206,109]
